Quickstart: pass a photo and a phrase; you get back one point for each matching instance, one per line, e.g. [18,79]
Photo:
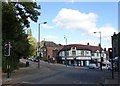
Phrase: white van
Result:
[92,66]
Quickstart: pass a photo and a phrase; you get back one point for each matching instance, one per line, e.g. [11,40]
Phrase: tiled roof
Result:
[49,44]
[81,47]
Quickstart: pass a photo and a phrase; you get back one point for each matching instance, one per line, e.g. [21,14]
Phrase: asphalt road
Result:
[60,74]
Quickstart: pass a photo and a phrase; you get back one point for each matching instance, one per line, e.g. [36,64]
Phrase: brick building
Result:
[115,43]
[49,50]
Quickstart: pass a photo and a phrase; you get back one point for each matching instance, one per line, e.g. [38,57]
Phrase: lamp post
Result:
[100,50]
[39,49]
[65,52]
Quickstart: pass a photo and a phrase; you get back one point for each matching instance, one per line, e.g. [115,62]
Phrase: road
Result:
[59,74]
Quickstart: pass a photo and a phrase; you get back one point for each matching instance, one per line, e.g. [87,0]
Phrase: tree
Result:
[14,19]
[32,42]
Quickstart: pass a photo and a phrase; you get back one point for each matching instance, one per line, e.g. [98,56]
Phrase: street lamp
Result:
[100,50]
[66,52]
[39,49]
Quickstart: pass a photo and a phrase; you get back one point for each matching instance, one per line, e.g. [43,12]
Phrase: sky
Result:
[77,22]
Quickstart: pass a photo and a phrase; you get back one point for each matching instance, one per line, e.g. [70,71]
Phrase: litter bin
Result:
[27,64]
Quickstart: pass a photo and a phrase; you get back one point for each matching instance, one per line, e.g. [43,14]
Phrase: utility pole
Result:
[39,46]
[100,51]
[66,52]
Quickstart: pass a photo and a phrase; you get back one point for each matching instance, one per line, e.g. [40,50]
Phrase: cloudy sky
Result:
[77,21]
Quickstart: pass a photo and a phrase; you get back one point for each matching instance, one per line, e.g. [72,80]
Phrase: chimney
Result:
[88,43]
[114,33]
[99,44]
[104,49]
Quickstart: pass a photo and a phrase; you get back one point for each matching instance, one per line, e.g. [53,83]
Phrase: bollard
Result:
[27,64]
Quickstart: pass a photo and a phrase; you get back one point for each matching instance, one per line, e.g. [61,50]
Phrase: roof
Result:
[50,44]
[81,47]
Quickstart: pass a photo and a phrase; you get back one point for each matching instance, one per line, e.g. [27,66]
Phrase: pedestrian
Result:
[53,60]
[48,59]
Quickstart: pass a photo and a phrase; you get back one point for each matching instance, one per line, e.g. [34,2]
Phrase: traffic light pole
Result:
[100,51]
[8,68]
[7,54]
[113,49]
[111,52]
[112,69]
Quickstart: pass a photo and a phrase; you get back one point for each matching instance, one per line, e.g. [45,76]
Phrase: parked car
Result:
[104,66]
[32,59]
[36,59]
[29,58]
[71,64]
[93,66]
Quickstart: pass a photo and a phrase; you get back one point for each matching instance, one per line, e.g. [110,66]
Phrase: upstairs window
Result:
[67,53]
[97,53]
[82,53]
[73,53]
[93,54]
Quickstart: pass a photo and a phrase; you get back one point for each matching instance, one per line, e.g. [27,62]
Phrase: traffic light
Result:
[110,52]
[6,50]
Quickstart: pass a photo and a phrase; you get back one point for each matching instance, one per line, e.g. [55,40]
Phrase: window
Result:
[82,53]
[73,48]
[87,53]
[62,53]
[102,54]
[67,53]
[73,53]
[92,54]
[97,54]
[78,53]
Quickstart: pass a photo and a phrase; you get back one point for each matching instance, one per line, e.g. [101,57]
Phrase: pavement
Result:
[114,80]
[21,73]
[27,71]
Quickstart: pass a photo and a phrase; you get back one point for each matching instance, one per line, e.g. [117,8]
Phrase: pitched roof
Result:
[50,44]
[81,47]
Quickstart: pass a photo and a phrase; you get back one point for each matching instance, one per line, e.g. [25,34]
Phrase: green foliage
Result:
[14,19]
[33,45]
